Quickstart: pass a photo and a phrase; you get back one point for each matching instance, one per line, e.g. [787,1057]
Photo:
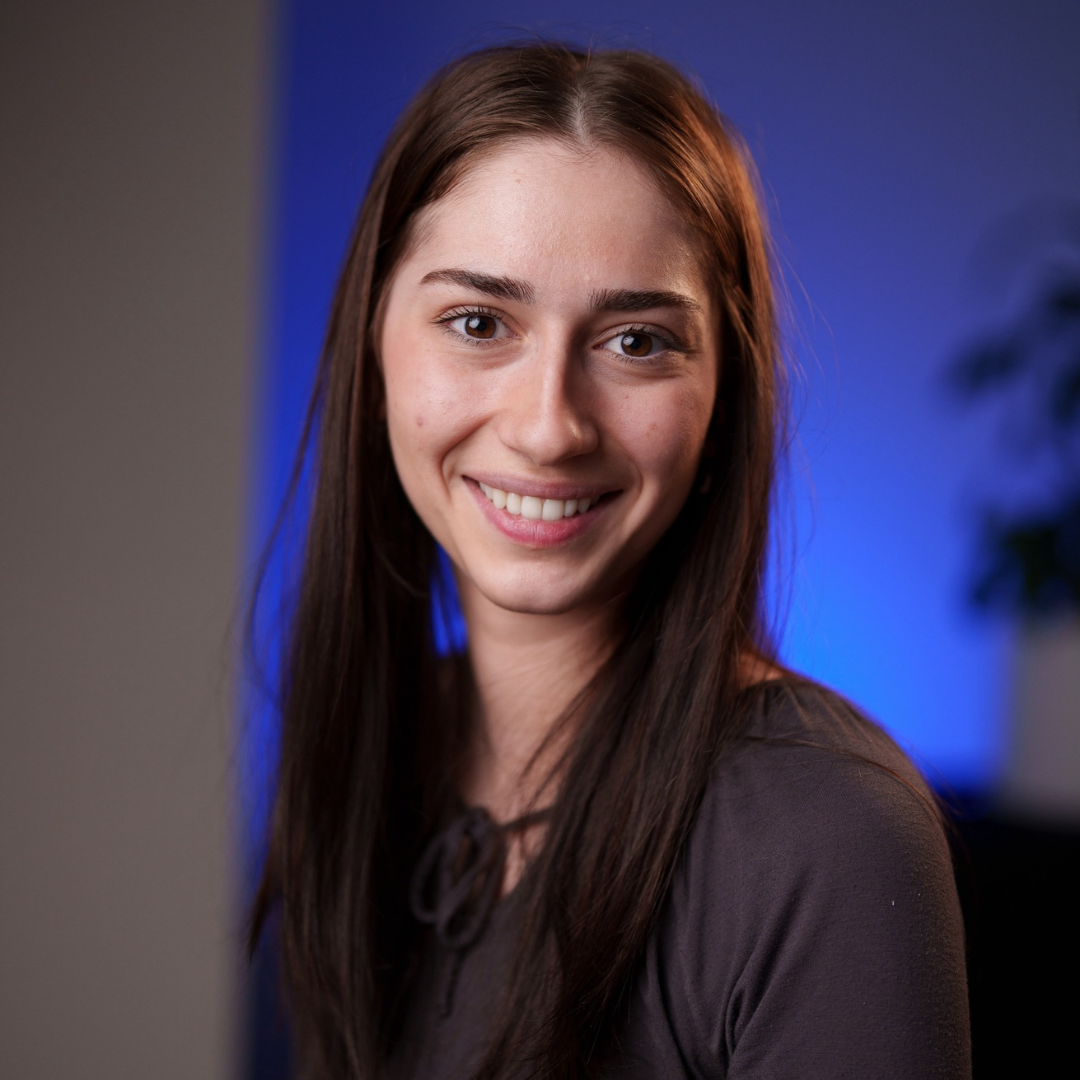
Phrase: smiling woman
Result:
[577,362]
[614,835]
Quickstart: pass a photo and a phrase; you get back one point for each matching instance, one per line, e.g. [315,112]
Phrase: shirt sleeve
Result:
[814,928]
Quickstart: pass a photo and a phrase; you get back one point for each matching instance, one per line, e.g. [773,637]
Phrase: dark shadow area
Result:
[268,1053]
[1018,887]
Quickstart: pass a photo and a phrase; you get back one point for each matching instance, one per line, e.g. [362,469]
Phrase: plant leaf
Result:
[986,366]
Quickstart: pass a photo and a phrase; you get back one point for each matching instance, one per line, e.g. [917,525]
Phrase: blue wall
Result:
[891,138]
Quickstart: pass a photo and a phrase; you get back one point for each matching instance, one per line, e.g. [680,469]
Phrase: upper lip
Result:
[542,489]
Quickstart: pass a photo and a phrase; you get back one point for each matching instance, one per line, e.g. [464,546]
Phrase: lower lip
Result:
[538,534]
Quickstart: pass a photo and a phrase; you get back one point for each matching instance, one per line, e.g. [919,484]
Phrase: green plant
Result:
[1028,547]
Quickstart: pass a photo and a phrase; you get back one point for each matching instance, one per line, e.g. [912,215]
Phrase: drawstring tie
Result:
[457,882]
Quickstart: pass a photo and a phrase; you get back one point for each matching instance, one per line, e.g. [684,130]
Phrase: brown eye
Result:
[480,326]
[636,344]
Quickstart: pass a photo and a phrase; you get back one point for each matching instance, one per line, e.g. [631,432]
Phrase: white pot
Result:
[1042,771]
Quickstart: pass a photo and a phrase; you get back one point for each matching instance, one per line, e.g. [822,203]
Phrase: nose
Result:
[547,414]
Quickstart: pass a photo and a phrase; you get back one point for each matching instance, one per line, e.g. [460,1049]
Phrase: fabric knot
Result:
[456,885]
[457,880]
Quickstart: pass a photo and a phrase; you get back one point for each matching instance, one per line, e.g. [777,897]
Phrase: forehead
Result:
[563,219]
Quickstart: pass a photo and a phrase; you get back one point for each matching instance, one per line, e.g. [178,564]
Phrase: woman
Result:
[612,836]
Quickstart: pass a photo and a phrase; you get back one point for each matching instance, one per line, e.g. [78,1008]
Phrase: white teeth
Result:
[533,508]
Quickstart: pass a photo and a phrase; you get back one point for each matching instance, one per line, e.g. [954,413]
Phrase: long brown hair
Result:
[358,787]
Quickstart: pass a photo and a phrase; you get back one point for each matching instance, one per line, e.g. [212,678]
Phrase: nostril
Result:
[546,417]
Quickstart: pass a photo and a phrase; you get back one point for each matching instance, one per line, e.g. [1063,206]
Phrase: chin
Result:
[538,595]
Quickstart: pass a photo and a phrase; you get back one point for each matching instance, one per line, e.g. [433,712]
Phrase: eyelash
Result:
[452,316]
[668,341]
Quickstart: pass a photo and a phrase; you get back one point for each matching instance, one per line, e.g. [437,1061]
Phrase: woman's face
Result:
[549,350]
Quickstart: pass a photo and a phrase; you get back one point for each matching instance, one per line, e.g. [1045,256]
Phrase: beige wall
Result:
[129,166]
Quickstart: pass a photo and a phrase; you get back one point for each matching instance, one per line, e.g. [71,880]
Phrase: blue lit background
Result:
[892,138]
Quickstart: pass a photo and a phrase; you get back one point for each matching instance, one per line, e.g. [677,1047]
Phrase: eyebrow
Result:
[641,300]
[504,288]
[507,288]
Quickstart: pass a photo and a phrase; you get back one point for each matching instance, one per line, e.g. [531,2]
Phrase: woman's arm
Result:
[813,928]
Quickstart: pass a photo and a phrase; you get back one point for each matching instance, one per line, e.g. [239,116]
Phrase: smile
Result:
[533,508]
[551,515]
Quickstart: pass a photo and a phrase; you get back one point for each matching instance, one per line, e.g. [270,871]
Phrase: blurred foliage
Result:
[1028,555]
[1030,565]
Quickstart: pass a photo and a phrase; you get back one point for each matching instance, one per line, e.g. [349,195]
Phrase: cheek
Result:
[665,433]
[429,410]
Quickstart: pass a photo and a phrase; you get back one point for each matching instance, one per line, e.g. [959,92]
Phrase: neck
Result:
[527,669]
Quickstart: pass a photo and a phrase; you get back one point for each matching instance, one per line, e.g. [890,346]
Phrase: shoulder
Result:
[797,714]
[812,916]
[812,768]
[816,803]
